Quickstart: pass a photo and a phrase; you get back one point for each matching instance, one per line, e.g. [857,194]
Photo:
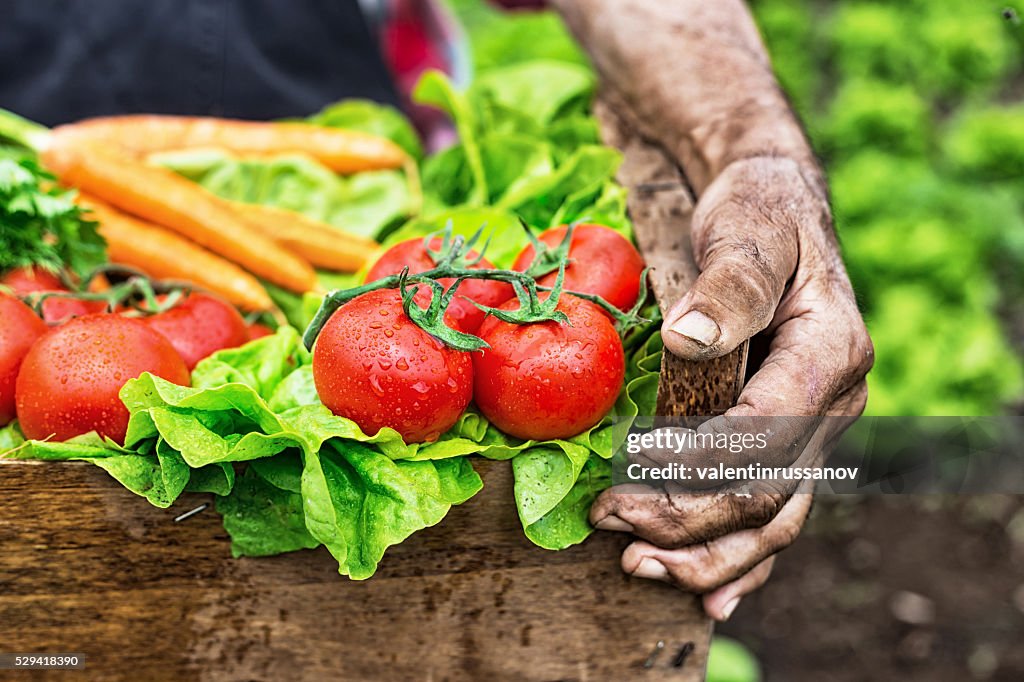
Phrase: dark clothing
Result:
[62,61]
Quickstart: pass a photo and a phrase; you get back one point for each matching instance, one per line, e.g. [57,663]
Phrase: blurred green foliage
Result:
[911,107]
[915,109]
[730,661]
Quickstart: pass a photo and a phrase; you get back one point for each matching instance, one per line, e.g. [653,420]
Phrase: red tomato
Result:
[258,331]
[27,280]
[411,253]
[603,262]
[58,310]
[19,329]
[549,380]
[69,381]
[55,310]
[372,365]
[199,326]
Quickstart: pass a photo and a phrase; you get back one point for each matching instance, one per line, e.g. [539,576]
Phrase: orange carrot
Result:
[164,255]
[344,151]
[321,244]
[165,198]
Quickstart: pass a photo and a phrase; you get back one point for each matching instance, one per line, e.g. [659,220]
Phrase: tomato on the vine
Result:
[200,325]
[413,254]
[19,329]
[601,262]
[69,381]
[373,365]
[549,380]
[56,309]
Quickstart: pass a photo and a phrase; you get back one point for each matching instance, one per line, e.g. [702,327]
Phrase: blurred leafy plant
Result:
[906,103]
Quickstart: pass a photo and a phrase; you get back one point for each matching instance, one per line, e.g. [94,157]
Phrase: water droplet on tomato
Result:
[421,387]
[388,333]
[384,363]
[402,364]
[375,385]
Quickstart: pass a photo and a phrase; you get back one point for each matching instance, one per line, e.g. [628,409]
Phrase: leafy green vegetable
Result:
[264,519]
[542,90]
[567,523]
[498,38]
[218,479]
[159,479]
[359,502]
[435,89]
[41,225]
[526,145]
[370,117]
[543,477]
[365,203]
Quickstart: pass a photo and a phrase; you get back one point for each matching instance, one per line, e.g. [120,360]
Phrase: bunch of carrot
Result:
[158,222]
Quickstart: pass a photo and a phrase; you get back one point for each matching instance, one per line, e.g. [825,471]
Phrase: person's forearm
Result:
[696,77]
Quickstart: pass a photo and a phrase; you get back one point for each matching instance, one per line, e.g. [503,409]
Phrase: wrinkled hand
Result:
[769,260]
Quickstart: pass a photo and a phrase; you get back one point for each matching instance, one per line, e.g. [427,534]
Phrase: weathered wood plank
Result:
[86,566]
[661,206]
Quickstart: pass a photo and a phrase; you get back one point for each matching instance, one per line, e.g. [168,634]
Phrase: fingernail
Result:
[699,327]
[729,607]
[651,568]
[613,522]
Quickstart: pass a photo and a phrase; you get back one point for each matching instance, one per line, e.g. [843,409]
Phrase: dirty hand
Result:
[769,262]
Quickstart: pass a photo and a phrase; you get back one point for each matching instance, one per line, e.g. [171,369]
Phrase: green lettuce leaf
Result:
[371,117]
[264,519]
[436,90]
[567,522]
[543,89]
[526,146]
[358,502]
[543,477]
[365,203]
[218,479]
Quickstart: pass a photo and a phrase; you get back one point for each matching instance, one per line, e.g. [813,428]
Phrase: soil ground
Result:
[894,588]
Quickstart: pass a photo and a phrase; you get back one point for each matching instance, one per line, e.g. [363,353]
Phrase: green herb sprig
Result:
[40,225]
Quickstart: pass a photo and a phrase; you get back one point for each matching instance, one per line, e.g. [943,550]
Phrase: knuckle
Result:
[759,509]
[699,576]
[864,348]
[781,537]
